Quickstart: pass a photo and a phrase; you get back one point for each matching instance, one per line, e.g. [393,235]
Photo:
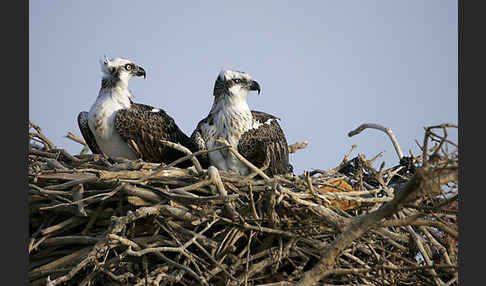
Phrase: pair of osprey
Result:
[118,127]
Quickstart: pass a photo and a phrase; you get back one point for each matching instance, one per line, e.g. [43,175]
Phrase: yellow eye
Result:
[128,67]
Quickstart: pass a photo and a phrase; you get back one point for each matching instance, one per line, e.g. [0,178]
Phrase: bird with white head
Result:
[256,135]
[118,127]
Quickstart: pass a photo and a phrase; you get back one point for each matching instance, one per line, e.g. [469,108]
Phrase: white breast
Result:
[101,120]
[229,123]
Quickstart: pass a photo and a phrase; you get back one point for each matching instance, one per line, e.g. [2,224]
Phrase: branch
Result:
[364,223]
[48,144]
[216,180]
[75,138]
[296,146]
[186,151]
[243,159]
[387,130]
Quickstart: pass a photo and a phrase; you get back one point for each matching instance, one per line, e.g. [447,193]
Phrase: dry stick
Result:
[75,138]
[66,154]
[265,166]
[104,195]
[71,239]
[93,218]
[45,221]
[252,202]
[39,134]
[143,193]
[243,159]
[41,153]
[211,258]
[204,239]
[423,251]
[72,183]
[259,266]
[361,225]
[454,279]
[280,283]
[181,249]
[124,241]
[200,279]
[54,164]
[216,180]
[79,140]
[414,220]
[120,278]
[186,151]
[77,193]
[341,271]
[296,146]
[344,162]
[101,247]
[443,138]
[329,215]
[439,246]
[65,260]
[248,257]
[110,263]
[162,168]
[263,229]
[387,130]
[311,188]
[67,224]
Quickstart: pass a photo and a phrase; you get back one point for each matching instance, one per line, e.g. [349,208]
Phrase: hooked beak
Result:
[255,86]
[140,71]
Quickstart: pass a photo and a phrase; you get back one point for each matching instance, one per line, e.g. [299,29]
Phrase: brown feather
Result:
[87,134]
[144,127]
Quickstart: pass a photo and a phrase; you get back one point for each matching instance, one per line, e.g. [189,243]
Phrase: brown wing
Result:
[86,132]
[145,126]
[201,144]
[266,144]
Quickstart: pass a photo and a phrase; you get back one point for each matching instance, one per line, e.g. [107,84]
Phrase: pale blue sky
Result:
[324,67]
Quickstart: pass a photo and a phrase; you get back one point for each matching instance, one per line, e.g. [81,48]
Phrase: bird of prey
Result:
[256,135]
[118,127]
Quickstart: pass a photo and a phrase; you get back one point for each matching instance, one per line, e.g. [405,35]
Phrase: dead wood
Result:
[99,221]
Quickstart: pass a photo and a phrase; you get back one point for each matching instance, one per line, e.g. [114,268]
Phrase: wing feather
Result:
[86,132]
[145,126]
[201,144]
[267,142]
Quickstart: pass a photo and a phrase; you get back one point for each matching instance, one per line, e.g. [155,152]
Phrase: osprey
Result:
[256,135]
[118,127]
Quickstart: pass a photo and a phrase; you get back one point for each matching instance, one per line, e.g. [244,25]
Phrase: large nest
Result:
[100,221]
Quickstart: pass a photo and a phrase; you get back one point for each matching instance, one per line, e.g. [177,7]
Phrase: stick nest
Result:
[99,221]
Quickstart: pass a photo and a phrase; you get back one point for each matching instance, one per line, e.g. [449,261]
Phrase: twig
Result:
[243,159]
[216,180]
[186,151]
[75,138]
[387,130]
[41,136]
[163,168]
[297,146]
[360,226]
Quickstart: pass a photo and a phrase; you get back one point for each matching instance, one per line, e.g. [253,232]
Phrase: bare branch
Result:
[387,130]
[297,146]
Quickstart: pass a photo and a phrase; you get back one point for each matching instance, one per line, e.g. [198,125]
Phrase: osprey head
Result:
[120,69]
[234,83]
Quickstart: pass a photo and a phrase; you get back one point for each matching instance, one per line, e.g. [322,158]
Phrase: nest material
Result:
[99,221]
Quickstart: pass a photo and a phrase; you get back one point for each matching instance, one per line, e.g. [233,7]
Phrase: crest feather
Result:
[105,66]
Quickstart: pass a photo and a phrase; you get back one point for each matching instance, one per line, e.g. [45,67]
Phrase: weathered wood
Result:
[152,223]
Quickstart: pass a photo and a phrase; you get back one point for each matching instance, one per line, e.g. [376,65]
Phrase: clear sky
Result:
[324,67]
